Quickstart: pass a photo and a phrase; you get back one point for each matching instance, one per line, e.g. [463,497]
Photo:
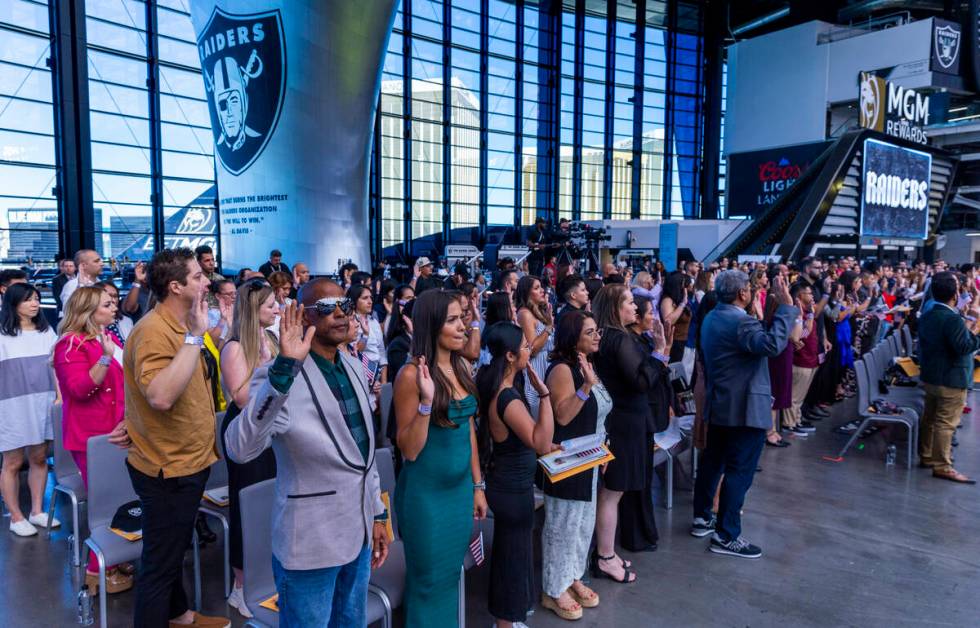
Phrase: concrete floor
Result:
[853,543]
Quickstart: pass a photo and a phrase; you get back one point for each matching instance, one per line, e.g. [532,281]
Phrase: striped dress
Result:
[27,388]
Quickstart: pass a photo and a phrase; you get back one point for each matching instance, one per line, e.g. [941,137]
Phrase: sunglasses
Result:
[326,306]
[255,284]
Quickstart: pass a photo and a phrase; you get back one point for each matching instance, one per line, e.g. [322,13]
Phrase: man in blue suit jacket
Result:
[738,405]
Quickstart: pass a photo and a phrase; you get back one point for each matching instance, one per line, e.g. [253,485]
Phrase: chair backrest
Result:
[256,504]
[64,464]
[907,337]
[896,345]
[385,461]
[109,486]
[889,349]
[387,397]
[219,470]
[863,387]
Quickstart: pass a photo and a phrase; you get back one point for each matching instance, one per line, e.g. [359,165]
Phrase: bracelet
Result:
[480,486]
[136,284]
[547,394]
[581,395]
[425,409]
[475,325]
[105,360]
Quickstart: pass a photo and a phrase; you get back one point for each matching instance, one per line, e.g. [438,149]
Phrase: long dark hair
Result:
[16,294]
[708,303]
[499,309]
[674,287]
[397,325]
[500,339]
[428,317]
[567,336]
[354,293]
[522,298]
[642,305]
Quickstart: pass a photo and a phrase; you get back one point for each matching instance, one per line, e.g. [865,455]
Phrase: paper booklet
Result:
[217,496]
[576,455]
[129,536]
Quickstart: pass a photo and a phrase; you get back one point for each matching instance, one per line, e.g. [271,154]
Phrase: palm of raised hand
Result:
[293,342]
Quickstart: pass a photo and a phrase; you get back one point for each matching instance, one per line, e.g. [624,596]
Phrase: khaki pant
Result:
[802,377]
[944,408]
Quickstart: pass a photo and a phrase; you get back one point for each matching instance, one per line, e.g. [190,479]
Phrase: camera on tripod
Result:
[584,235]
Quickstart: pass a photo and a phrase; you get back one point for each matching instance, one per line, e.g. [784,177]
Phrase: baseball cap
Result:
[423,261]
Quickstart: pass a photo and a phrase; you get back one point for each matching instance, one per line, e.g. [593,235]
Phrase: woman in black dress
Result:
[510,442]
[624,366]
[637,525]
[251,344]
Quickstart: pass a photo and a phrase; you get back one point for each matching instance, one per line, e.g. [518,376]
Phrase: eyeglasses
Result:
[327,306]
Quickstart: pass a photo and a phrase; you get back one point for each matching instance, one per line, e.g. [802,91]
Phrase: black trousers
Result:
[511,591]
[169,511]
[735,452]
[637,525]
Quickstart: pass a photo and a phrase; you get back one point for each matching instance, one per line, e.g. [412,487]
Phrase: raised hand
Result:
[197,316]
[781,290]
[423,379]
[108,344]
[227,311]
[588,371]
[659,335]
[140,272]
[535,381]
[293,342]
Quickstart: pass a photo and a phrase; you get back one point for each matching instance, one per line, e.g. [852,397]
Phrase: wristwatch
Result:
[191,339]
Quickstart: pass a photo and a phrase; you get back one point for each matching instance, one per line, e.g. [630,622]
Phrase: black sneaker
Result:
[806,426]
[701,528]
[738,547]
[811,416]
[816,411]
[799,431]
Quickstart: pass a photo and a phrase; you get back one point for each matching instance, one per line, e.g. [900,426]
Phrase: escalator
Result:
[821,213]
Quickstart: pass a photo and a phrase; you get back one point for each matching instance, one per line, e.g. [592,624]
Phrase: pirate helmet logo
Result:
[243,60]
[947,40]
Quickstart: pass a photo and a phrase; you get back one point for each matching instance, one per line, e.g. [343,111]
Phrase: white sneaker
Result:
[41,519]
[23,528]
[237,600]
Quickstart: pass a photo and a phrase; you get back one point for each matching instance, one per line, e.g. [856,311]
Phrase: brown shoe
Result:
[204,621]
[127,569]
[953,476]
[115,582]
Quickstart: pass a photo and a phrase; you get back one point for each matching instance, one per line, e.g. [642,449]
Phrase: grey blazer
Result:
[327,495]
[736,349]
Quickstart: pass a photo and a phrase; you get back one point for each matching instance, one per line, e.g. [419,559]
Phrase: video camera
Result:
[583,234]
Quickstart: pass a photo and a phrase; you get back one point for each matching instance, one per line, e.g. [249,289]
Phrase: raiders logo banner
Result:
[243,59]
[292,88]
[895,191]
[945,56]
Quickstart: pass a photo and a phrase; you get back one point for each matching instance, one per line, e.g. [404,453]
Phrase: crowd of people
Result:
[488,373]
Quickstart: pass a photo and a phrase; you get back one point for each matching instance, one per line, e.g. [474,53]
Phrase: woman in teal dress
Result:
[440,489]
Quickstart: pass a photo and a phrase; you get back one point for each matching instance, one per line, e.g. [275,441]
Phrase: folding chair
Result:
[907,337]
[913,398]
[258,582]
[905,416]
[387,585]
[219,479]
[109,487]
[69,483]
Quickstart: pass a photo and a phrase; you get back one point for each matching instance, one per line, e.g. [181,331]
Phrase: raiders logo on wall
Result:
[945,47]
[243,60]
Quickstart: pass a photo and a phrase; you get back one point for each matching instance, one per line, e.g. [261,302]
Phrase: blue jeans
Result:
[734,452]
[332,596]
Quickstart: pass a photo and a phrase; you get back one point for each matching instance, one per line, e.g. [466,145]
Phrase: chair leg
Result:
[197,573]
[76,547]
[854,437]
[227,551]
[103,610]
[385,601]
[670,480]
[694,461]
[54,498]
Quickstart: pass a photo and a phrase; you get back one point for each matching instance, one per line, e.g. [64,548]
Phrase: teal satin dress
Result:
[434,506]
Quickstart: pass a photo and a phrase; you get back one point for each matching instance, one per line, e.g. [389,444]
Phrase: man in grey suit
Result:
[328,520]
[738,405]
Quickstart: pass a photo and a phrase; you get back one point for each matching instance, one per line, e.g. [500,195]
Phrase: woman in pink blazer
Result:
[88,364]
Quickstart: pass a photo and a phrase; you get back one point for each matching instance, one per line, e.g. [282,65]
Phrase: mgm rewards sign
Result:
[892,109]
[292,88]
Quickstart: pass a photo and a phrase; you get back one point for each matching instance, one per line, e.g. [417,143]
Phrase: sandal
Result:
[551,604]
[585,602]
[598,572]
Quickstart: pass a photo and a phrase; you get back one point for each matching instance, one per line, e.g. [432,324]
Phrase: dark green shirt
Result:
[281,376]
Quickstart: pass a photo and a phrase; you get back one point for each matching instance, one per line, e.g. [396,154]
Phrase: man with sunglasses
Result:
[311,405]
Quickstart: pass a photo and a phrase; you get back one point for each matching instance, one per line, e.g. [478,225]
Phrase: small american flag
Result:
[476,548]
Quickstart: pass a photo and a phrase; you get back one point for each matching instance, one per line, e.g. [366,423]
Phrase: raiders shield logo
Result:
[947,45]
[243,60]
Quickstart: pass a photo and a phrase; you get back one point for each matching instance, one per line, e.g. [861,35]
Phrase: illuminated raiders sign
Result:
[892,109]
[895,191]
